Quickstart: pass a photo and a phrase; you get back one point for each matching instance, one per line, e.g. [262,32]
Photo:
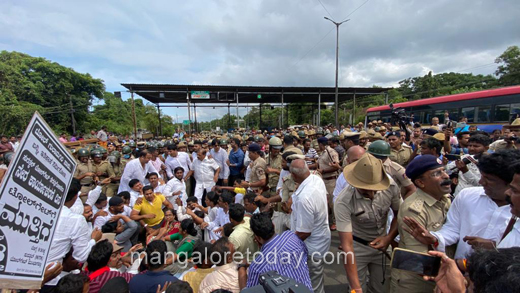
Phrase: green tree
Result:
[508,69]
[29,83]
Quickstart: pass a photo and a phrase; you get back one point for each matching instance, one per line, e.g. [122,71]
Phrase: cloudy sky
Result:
[270,42]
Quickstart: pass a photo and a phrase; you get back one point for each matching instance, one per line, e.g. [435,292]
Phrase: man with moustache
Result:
[511,237]
[478,216]
[428,205]
[361,213]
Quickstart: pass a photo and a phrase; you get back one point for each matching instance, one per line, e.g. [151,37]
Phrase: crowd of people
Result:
[212,212]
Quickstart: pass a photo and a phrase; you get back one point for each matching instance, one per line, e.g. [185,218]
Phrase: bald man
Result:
[353,154]
[309,219]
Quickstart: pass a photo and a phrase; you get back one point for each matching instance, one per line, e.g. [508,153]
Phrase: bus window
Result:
[469,113]
[439,114]
[502,113]
[427,118]
[483,114]
[515,111]
[454,114]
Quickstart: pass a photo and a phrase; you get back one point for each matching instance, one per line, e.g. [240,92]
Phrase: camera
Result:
[400,118]
[273,282]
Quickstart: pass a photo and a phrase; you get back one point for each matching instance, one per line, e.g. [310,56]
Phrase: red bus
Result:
[489,109]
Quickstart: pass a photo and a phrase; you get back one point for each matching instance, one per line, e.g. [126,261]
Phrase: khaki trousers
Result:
[330,184]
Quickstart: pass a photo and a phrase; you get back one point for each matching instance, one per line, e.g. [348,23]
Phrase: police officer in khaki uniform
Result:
[288,145]
[84,173]
[258,165]
[428,206]
[274,164]
[401,154]
[350,139]
[117,168]
[363,140]
[101,168]
[328,166]
[381,150]
[127,154]
[281,201]
[361,215]
[314,142]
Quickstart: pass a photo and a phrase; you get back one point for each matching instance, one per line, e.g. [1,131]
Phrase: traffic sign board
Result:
[199,95]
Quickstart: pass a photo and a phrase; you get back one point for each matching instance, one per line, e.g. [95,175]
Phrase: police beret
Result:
[323,140]
[393,133]
[421,164]
[429,131]
[111,143]
[254,147]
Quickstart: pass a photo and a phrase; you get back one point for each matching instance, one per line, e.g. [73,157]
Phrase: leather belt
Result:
[330,178]
[366,243]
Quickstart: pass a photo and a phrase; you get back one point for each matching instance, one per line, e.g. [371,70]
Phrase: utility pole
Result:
[337,64]
[133,115]
[72,115]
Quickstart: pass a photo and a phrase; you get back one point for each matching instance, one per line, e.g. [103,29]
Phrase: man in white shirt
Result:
[92,197]
[220,156]
[354,153]
[197,146]
[14,142]
[310,220]
[102,134]
[176,188]
[215,227]
[136,191]
[137,169]
[153,179]
[72,231]
[511,237]
[176,159]
[126,229]
[205,172]
[478,216]
[469,175]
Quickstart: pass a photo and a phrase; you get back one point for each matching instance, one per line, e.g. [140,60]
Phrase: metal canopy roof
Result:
[221,94]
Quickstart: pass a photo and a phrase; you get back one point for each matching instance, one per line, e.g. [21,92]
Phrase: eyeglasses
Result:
[437,174]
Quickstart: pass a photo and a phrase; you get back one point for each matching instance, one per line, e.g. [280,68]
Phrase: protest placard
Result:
[31,198]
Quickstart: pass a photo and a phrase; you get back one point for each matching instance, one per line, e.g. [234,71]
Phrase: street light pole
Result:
[337,65]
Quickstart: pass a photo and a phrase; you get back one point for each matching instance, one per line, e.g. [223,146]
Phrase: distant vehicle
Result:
[488,109]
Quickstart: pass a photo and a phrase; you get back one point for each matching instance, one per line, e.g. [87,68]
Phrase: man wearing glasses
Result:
[428,206]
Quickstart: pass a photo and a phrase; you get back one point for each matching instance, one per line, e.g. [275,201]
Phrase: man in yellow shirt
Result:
[200,257]
[242,236]
[149,210]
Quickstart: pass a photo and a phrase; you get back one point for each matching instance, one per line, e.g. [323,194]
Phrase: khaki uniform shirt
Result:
[344,163]
[83,168]
[364,217]
[328,156]
[275,163]
[117,169]
[397,172]
[104,167]
[288,187]
[257,171]
[431,214]
[315,145]
[401,156]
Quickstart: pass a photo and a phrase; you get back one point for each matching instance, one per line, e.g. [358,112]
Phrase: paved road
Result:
[335,276]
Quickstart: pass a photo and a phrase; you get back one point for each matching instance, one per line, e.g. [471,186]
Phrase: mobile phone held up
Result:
[417,262]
